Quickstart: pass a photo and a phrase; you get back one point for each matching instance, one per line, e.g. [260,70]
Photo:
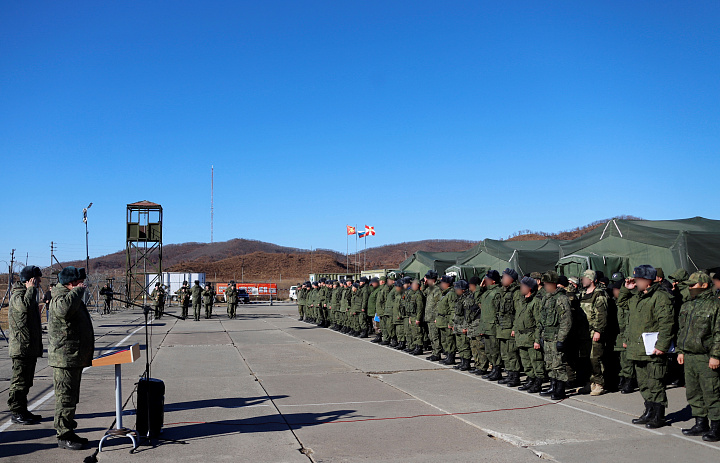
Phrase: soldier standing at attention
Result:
[184,299]
[372,307]
[380,307]
[108,293]
[158,297]
[433,293]
[509,299]
[398,316]
[387,327]
[464,305]
[444,319]
[362,316]
[355,308]
[25,342]
[196,299]
[650,311]
[477,347]
[594,305]
[208,296]
[699,350]
[490,301]
[231,297]
[72,344]
[527,335]
[301,301]
[555,322]
[345,298]
[415,305]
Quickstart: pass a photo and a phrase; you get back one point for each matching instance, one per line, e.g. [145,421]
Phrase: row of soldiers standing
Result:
[547,327]
[199,298]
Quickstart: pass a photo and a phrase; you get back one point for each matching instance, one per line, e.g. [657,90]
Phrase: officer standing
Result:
[509,298]
[650,311]
[184,299]
[196,299]
[208,296]
[158,297]
[490,301]
[464,307]
[301,301]
[72,344]
[362,316]
[444,319]
[231,297]
[477,346]
[527,335]
[415,306]
[594,305]
[555,324]
[25,342]
[398,314]
[387,327]
[699,350]
[433,293]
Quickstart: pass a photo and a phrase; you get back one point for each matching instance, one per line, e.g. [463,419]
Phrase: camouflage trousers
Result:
[702,386]
[447,340]
[67,396]
[208,310]
[434,335]
[492,349]
[555,362]
[590,354]
[509,354]
[364,321]
[532,362]
[185,307]
[463,345]
[301,310]
[23,372]
[477,346]
[231,309]
[387,327]
[416,332]
[650,375]
[159,309]
[196,310]
[401,330]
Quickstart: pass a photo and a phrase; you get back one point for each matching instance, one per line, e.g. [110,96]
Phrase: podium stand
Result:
[117,358]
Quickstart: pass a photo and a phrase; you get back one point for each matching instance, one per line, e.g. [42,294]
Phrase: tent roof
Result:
[523,256]
[438,261]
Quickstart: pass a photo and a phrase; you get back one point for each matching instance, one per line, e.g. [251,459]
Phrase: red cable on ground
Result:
[367,419]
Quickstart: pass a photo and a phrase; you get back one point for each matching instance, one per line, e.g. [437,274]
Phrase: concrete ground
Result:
[268,388]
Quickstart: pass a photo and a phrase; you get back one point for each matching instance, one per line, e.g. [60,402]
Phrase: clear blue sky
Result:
[425,119]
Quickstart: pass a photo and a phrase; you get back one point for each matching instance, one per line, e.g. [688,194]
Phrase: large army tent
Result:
[523,256]
[621,245]
[419,263]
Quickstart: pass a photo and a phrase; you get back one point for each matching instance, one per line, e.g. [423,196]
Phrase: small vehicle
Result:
[243,296]
[293,293]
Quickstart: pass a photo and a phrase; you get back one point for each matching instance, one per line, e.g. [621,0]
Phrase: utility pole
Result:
[212,200]
[87,247]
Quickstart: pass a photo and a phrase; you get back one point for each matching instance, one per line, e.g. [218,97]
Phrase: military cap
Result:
[315,283]
[550,277]
[407,280]
[232,282]
[599,275]
[398,283]
[30,272]
[185,282]
[660,273]
[615,284]
[574,280]
[70,274]
[364,279]
[563,281]
[530,282]
[461,284]
[374,280]
[431,274]
[447,279]
[511,273]
[197,282]
[679,276]
[617,276]
[356,285]
[474,280]
[391,276]
[157,284]
[647,272]
[323,280]
[536,275]
[698,277]
[715,276]
[589,274]
[493,275]
[382,278]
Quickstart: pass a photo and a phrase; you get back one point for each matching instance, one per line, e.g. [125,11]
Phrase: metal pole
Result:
[118,396]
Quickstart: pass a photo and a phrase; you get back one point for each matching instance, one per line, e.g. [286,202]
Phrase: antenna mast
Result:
[212,200]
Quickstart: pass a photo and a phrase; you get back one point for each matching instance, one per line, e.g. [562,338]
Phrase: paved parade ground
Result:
[268,388]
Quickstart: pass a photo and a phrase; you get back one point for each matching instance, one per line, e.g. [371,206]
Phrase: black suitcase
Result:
[150,407]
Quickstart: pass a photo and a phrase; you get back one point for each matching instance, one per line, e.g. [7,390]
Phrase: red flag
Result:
[350,230]
[369,230]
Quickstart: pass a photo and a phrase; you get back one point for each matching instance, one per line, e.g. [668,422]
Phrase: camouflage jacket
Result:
[464,307]
[432,297]
[389,301]
[555,317]
[183,295]
[345,298]
[594,310]
[490,301]
[381,299]
[196,292]
[335,295]
[323,296]
[356,302]
[509,299]
[648,312]
[622,315]
[415,304]
[446,308]
[372,301]
[364,291]
[208,296]
[699,331]
[70,329]
[527,331]
[231,295]
[301,296]
[158,297]
[398,310]
[24,323]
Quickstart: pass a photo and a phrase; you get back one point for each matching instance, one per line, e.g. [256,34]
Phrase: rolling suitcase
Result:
[150,407]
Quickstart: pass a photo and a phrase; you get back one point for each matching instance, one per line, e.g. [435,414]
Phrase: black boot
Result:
[419,350]
[645,417]
[481,372]
[384,342]
[450,360]
[657,418]
[300,319]
[559,393]
[551,390]
[23,418]
[460,365]
[376,339]
[401,346]
[700,428]
[363,334]
[393,342]
[495,374]
[433,358]
[505,379]
[464,365]
[536,386]
[513,379]
[528,384]
[621,382]
[71,441]
[409,348]
[714,434]
[630,386]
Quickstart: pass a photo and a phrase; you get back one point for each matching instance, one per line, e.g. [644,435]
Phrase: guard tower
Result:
[143,249]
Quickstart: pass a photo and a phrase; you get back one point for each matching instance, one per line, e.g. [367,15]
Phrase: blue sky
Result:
[424,119]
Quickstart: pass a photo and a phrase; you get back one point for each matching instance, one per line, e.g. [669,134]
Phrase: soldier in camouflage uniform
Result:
[231,297]
[158,297]
[527,335]
[465,311]
[650,311]
[626,372]
[477,346]
[372,308]
[489,303]
[509,300]
[334,305]
[345,296]
[363,320]
[301,298]
[183,295]
[380,309]
[312,296]
[432,297]
[25,342]
[591,332]
[388,328]
[698,349]
[445,318]
[356,307]
[398,314]
[196,292]
[415,309]
[407,283]
[555,321]
[208,296]
[72,345]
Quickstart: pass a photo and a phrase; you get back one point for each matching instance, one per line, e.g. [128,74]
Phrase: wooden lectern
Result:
[117,358]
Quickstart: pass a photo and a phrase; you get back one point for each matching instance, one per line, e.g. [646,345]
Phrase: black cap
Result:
[29,272]
[398,283]
[511,273]
[493,275]
[447,279]
[462,284]
[374,280]
[474,280]
[431,275]
[563,281]
[647,272]
[364,279]
[529,282]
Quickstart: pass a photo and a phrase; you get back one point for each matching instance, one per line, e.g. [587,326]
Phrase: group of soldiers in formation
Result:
[647,331]
[200,297]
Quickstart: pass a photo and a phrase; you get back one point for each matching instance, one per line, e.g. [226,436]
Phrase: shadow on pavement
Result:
[24,441]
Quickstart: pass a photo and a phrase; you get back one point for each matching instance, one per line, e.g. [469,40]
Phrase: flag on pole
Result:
[362,234]
[369,230]
[350,230]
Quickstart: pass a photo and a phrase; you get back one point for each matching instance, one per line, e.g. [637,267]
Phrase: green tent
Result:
[523,256]
[621,245]
[465,272]
[419,263]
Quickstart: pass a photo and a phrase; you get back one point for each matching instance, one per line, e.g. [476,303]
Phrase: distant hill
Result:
[527,235]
